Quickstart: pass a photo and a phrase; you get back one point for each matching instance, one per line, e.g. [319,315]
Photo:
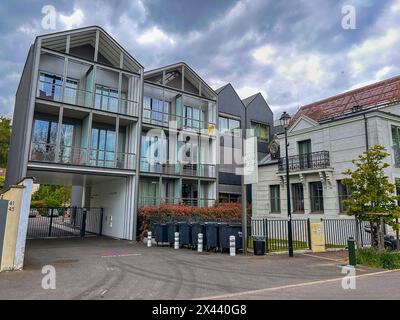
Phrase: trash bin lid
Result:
[258,238]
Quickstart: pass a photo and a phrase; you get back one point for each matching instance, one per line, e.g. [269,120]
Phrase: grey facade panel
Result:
[19,133]
[229,178]
[259,111]
[230,103]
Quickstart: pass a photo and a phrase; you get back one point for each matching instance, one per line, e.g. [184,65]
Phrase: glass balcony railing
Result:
[45,152]
[88,99]
[198,170]
[156,201]
[174,121]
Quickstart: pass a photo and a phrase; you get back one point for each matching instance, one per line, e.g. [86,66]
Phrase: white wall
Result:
[111,195]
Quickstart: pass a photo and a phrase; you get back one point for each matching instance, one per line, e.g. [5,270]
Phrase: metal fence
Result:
[50,222]
[337,232]
[275,232]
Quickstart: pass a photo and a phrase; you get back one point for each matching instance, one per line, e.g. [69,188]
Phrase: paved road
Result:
[101,268]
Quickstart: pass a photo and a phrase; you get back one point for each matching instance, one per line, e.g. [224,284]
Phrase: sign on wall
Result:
[250,161]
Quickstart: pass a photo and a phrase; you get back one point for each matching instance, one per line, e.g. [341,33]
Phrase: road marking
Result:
[324,258]
[121,255]
[237,294]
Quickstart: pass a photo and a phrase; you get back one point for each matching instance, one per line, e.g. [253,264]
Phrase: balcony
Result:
[309,161]
[194,202]
[45,152]
[168,120]
[104,100]
[197,170]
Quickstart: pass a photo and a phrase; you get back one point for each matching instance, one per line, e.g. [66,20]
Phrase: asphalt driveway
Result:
[103,268]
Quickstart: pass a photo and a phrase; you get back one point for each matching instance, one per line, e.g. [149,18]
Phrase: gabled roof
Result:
[250,99]
[222,88]
[109,48]
[155,76]
[355,100]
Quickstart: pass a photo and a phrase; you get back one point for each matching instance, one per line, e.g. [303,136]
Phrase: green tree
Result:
[52,196]
[2,179]
[5,134]
[371,192]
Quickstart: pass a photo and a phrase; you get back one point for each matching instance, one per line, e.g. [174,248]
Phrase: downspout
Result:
[366,132]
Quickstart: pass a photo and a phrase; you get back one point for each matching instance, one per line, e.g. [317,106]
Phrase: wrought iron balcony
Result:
[309,161]
[197,170]
[45,152]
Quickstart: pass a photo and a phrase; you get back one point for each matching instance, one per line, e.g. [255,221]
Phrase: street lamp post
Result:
[285,120]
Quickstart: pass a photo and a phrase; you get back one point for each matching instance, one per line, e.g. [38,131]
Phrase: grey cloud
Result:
[217,38]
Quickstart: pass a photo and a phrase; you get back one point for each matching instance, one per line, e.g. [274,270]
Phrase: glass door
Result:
[66,143]
[305,154]
[102,152]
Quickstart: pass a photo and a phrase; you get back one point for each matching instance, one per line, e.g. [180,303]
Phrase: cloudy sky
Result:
[293,52]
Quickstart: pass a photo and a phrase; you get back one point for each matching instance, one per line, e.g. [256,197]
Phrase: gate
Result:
[50,222]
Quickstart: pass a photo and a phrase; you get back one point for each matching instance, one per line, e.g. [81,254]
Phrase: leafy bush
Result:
[2,180]
[52,196]
[378,258]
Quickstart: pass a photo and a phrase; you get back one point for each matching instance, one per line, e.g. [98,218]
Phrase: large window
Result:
[154,151]
[45,132]
[261,131]
[44,140]
[70,91]
[316,197]
[102,153]
[298,197]
[305,157]
[343,194]
[155,112]
[193,117]
[50,86]
[228,125]
[275,199]
[106,98]
[396,144]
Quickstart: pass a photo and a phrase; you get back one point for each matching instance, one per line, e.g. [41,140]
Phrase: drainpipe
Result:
[366,132]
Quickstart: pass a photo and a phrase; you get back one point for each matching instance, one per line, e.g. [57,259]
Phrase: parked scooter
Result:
[390,242]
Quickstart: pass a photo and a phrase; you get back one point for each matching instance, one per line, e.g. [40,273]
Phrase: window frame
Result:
[316,194]
[257,126]
[275,198]
[295,200]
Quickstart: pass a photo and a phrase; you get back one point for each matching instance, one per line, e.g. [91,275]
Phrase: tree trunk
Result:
[374,240]
[397,235]
[381,243]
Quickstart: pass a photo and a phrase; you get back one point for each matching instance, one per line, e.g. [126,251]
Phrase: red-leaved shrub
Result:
[226,212]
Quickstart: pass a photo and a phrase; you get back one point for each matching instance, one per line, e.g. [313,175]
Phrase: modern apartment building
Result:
[324,137]
[178,139]
[83,109]
[234,113]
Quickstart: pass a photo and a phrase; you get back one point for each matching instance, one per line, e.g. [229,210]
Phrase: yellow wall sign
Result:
[211,129]
[317,236]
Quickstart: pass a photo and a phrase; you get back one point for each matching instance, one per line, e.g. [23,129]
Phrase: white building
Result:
[324,138]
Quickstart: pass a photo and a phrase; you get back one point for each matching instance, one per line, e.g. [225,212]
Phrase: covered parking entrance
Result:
[99,204]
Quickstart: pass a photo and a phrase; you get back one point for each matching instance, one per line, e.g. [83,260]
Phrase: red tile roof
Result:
[365,97]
